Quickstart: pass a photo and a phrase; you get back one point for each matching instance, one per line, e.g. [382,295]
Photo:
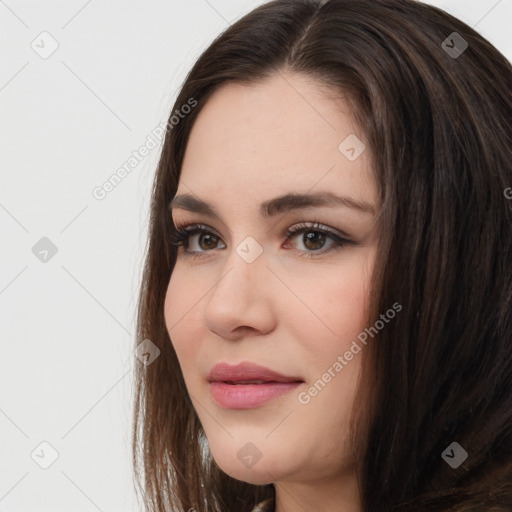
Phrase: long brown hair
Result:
[438,126]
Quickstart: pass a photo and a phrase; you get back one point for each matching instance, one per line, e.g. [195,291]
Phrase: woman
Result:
[329,271]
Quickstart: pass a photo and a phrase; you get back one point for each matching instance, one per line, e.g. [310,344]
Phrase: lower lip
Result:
[247,396]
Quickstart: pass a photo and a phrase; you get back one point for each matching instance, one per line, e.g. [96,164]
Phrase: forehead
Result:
[279,135]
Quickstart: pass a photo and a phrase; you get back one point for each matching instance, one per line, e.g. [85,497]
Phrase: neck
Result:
[339,494]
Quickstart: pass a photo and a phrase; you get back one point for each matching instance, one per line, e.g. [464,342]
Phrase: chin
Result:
[251,476]
[249,465]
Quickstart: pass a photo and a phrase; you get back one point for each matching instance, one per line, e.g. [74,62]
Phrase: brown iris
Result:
[314,237]
[211,239]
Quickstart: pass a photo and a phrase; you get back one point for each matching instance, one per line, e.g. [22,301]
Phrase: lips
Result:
[237,382]
[247,373]
[248,385]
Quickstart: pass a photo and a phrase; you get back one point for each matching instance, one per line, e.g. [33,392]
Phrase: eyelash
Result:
[182,234]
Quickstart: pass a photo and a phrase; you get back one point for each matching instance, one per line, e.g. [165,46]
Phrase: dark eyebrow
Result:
[284,203]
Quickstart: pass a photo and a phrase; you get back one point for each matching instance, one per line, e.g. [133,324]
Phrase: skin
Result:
[290,313]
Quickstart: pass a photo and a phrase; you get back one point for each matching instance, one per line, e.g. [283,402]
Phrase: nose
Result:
[242,298]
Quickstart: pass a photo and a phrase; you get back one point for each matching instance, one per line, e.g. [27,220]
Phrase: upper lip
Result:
[224,372]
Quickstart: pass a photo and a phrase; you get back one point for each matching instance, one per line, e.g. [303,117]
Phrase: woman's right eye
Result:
[182,236]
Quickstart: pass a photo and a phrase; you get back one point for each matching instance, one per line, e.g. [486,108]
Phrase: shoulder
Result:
[264,506]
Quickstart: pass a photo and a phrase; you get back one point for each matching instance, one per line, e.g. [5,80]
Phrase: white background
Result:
[68,123]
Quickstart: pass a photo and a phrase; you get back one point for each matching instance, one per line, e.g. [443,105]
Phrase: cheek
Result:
[337,298]
[330,315]
[347,305]
[182,317]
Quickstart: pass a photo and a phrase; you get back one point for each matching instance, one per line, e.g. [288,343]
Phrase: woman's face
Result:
[246,293]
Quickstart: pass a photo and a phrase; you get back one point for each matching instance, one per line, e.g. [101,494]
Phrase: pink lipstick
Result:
[248,385]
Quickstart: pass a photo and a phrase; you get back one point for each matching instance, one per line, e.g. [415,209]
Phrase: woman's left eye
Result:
[313,239]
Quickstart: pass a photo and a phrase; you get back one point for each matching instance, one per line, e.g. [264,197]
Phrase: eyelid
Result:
[194,227]
[317,225]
